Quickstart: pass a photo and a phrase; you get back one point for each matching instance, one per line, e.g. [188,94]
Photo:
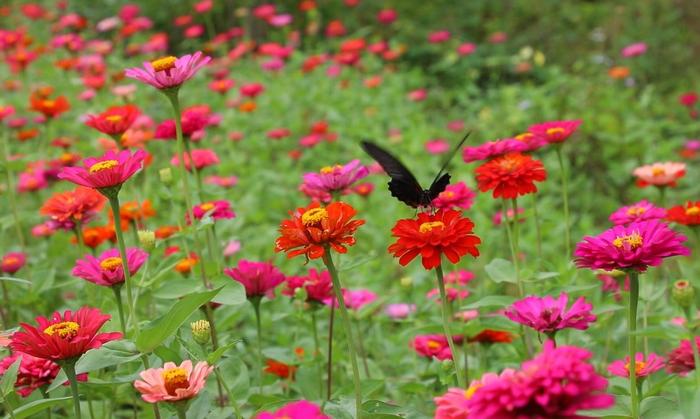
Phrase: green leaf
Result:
[660,408]
[232,292]
[156,331]
[7,382]
[176,288]
[37,406]
[214,357]
[13,279]
[501,270]
[491,301]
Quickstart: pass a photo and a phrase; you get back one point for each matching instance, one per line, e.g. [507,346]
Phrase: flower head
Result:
[12,262]
[313,228]
[453,404]
[659,174]
[643,366]
[173,382]
[456,195]
[279,369]
[115,121]
[217,210]
[169,72]
[201,157]
[511,175]
[547,315]
[493,149]
[399,310]
[65,336]
[555,131]
[681,360]
[258,278]
[295,410]
[688,214]
[318,286]
[432,235]
[107,270]
[490,336]
[432,346]
[335,178]
[66,209]
[354,299]
[635,246]
[108,171]
[33,372]
[641,211]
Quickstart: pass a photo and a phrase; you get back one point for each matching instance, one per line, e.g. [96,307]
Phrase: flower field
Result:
[347,209]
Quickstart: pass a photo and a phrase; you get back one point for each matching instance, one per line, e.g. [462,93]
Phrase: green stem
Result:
[11,191]
[538,230]
[114,202]
[361,349]
[78,230]
[328,261]
[662,196]
[256,305]
[446,325]
[5,310]
[175,102]
[181,413]
[69,369]
[565,198]
[117,289]
[9,409]
[317,352]
[465,348]
[44,395]
[329,373]
[632,339]
[513,250]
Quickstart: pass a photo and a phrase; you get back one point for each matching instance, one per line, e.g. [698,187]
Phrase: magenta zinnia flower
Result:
[33,372]
[354,299]
[108,171]
[173,383]
[295,410]
[454,403]
[335,178]
[493,149]
[547,315]
[642,366]
[681,360]
[107,270]
[202,158]
[456,195]
[258,278]
[217,210]
[555,131]
[641,211]
[635,246]
[432,346]
[168,72]
[318,286]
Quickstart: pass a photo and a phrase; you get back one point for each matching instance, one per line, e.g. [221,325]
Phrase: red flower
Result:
[64,337]
[50,108]
[115,120]
[492,336]
[70,207]
[280,369]
[511,175]
[432,235]
[688,215]
[312,228]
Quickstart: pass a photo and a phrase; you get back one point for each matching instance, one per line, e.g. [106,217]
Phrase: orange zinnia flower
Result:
[79,205]
[134,212]
[432,235]
[511,175]
[312,229]
[688,215]
[280,369]
[50,108]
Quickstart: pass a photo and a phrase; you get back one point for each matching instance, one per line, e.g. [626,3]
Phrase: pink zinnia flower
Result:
[492,149]
[680,360]
[642,366]
[318,286]
[222,181]
[279,21]
[466,48]
[258,278]
[335,178]
[455,126]
[432,346]
[295,410]
[168,72]
[510,216]
[641,211]
[108,171]
[417,95]
[386,16]
[555,131]
[173,383]
[453,404]
[202,158]
[278,133]
[354,299]
[438,37]
[217,210]
[437,146]
[399,310]
[107,270]
[33,372]
[13,262]
[451,293]
[688,99]
[634,50]
[251,89]
[635,246]
[547,315]
[457,195]
[557,383]
[659,174]
[461,277]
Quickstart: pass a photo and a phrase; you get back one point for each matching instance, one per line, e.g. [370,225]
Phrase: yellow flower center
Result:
[694,210]
[525,137]
[103,165]
[10,260]
[66,157]
[448,194]
[314,216]
[64,330]
[636,211]
[330,169]
[207,206]
[114,118]
[658,171]
[164,64]
[468,393]
[634,241]
[638,366]
[555,131]
[111,264]
[434,345]
[429,226]
[175,378]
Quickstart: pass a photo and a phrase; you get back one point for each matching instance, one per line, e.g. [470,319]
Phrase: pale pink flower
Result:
[399,310]
[437,146]
[659,174]
[173,383]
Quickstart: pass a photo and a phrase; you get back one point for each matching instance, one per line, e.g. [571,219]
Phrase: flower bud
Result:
[683,293]
[147,239]
[166,175]
[447,365]
[406,281]
[201,332]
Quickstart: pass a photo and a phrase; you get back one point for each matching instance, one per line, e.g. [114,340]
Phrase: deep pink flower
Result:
[680,360]
[438,37]
[295,410]
[258,278]
[354,299]
[688,99]
[555,131]
[218,210]
[12,262]
[460,277]
[457,195]
[278,133]
[453,404]
[33,372]
[634,50]
[547,315]
[107,270]
[318,286]
[417,95]
[466,48]
[168,72]
[108,171]
[202,158]
[635,246]
[172,382]
[399,310]
[642,366]
[386,16]
[251,89]
[557,383]
[493,149]
[437,146]
[335,178]
[432,346]
[452,294]
[641,211]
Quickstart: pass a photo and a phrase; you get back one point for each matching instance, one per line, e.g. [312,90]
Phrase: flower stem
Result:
[175,102]
[114,202]
[317,352]
[117,289]
[69,369]
[256,305]
[446,325]
[329,383]
[632,339]
[565,198]
[513,250]
[4,158]
[328,261]
[9,409]
[361,349]
[538,229]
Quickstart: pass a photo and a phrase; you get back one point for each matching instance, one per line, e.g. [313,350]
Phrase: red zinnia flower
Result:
[492,336]
[313,228]
[431,235]
[511,175]
[77,206]
[279,369]
[50,108]
[64,337]
[688,215]
[115,121]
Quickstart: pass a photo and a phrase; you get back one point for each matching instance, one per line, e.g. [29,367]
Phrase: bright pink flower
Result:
[173,383]
[688,99]
[318,286]
[452,294]
[251,89]
[203,6]
[202,158]
[33,372]
[354,299]
[168,72]
[634,50]
[386,16]
[457,195]
[223,181]
[295,410]
[278,133]
[218,210]
[12,262]
[399,310]
[642,366]
[108,171]
[466,48]
[659,174]
[279,21]
[641,211]
[557,383]
[107,270]
[5,111]
[335,178]
[680,360]
[635,246]
[432,346]
[437,146]
[460,277]
[547,315]
[492,149]
[32,181]
[438,37]
[453,404]
[555,131]
[258,278]
[417,95]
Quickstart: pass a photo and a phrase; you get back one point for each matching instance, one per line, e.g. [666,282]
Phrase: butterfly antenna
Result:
[452,154]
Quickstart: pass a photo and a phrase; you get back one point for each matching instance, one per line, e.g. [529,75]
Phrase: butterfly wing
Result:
[403,185]
[438,186]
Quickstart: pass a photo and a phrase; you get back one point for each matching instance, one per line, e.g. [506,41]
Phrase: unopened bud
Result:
[166,175]
[147,239]
[300,294]
[683,293]
[201,331]
[447,365]
[406,281]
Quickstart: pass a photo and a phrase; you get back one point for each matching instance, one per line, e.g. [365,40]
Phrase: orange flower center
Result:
[64,330]
[555,131]
[509,163]
[448,194]
[330,169]
[66,157]
[207,206]
[103,165]
[111,264]
[694,210]
[10,260]
[468,393]
[638,367]
[636,211]
[658,171]
[634,241]
[114,118]
[175,378]
[525,137]
[163,64]
[429,226]
[434,345]
[314,217]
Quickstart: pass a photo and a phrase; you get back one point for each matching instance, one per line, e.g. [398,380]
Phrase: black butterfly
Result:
[403,185]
